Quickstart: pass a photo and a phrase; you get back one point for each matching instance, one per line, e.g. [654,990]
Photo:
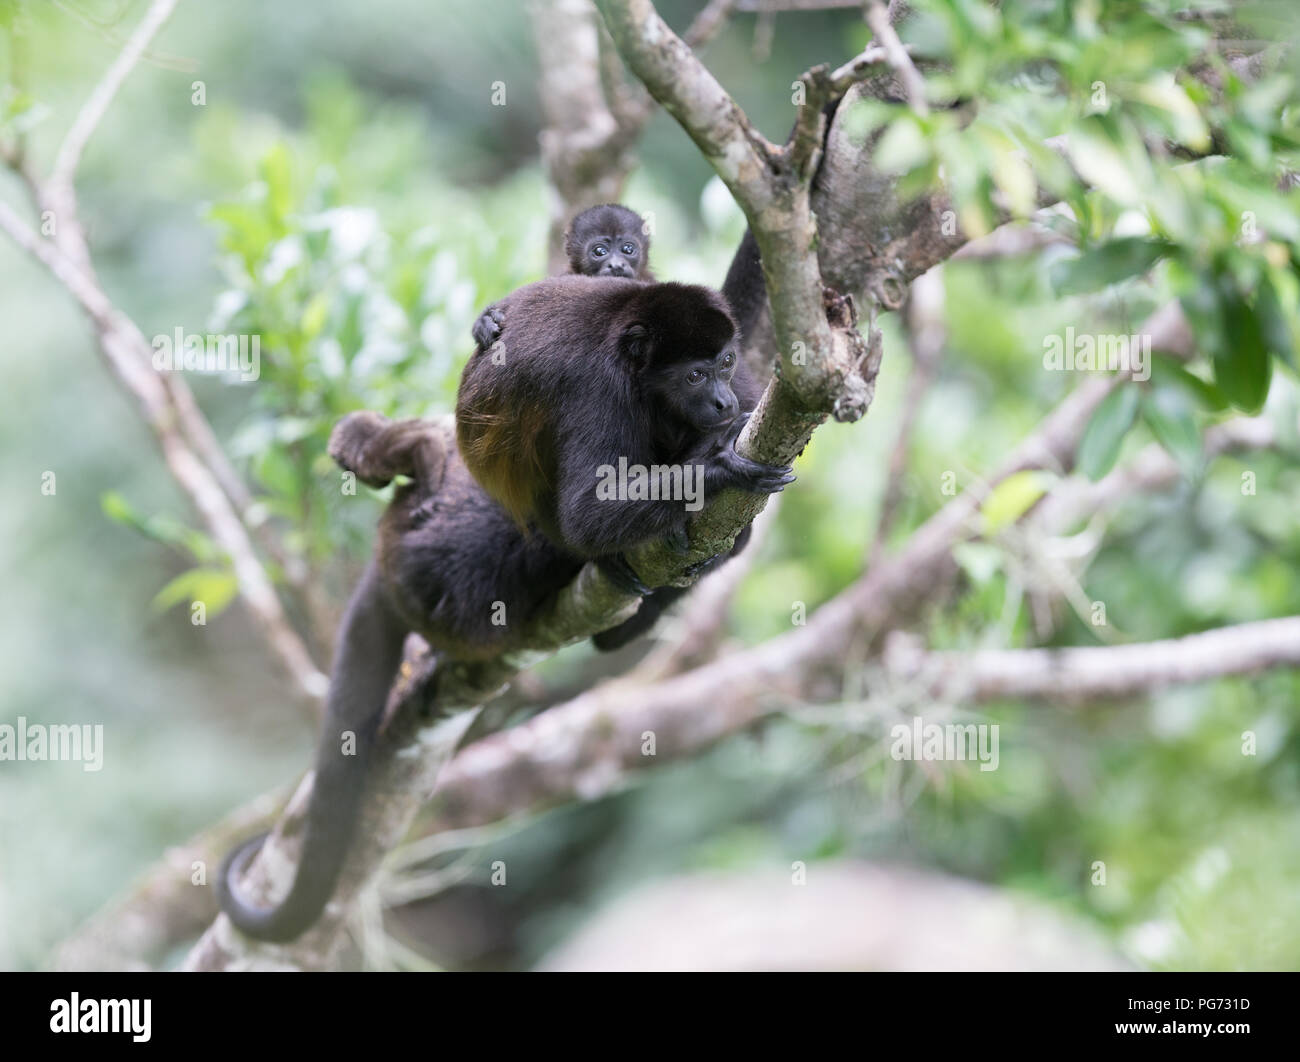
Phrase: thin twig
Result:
[887,37]
[65,162]
[190,448]
[705,26]
[926,337]
[126,351]
[108,30]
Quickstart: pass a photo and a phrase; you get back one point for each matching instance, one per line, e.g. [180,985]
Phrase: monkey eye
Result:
[728,359]
[629,249]
[694,376]
[599,251]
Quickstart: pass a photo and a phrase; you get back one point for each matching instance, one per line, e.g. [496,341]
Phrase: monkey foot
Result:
[349,440]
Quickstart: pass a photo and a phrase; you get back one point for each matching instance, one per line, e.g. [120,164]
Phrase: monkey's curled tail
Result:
[366,661]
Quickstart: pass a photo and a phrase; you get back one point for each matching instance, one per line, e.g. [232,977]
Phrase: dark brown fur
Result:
[608,227]
[586,375]
[591,379]
[450,564]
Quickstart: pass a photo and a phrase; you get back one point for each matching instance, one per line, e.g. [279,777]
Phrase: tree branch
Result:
[1095,672]
[586,151]
[926,338]
[586,747]
[69,155]
[166,405]
[887,38]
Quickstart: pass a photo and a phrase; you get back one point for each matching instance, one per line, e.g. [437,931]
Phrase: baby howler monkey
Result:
[603,241]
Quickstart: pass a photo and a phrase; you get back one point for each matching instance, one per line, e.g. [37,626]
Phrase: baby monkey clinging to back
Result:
[603,241]
[609,241]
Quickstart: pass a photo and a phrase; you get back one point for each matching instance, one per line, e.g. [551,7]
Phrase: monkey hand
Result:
[620,573]
[487,329]
[732,470]
[729,469]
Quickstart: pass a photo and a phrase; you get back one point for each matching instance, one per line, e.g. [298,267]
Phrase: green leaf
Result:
[163,529]
[1164,370]
[1169,413]
[215,587]
[1013,497]
[1009,169]
[1275,327]
[277,172]
[1164,92]
[1099,448]
[119,510]
[314,316]
[1108,158]
[1200,301]
[1107,264]
[903,146]
[1242,366]
[863,117]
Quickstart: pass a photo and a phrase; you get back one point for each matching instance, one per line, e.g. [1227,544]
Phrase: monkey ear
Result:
[634,344]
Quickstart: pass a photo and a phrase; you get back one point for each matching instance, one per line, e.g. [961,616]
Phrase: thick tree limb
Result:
[818,368]
[827,378]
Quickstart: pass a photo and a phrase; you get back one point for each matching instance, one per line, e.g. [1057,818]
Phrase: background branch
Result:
[165,404]
[1086,673]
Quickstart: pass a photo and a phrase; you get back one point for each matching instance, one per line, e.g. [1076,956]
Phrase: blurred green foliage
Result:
[347,195]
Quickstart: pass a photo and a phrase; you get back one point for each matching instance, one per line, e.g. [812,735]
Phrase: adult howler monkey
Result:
[612,371]
[537,427]
[611,240]
[603,241]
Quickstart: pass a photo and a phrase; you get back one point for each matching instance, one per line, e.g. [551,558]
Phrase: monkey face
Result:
[698,391]
[608,241]
[616,255]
